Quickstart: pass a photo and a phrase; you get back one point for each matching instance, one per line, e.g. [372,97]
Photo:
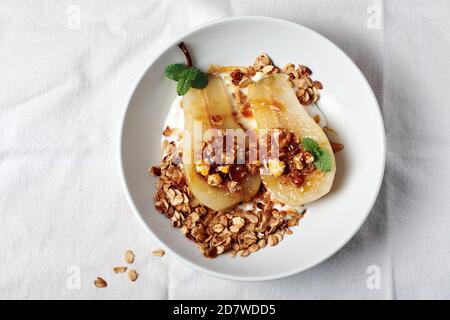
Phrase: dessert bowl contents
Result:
[243,126]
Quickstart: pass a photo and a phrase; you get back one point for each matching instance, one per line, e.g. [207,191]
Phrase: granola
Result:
[238,231]
[306,89]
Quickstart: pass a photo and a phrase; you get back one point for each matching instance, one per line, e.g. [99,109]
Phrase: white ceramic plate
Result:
[347,100]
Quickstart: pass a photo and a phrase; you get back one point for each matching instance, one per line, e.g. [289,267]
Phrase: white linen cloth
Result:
[67,68]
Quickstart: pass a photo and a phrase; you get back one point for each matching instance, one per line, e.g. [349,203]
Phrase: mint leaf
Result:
[185,81]
[201,81]
[174,71]
[322,157]
[183,86]
[311,146]
[323,162]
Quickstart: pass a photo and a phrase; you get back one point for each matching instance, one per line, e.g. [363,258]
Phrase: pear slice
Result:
[275,105]
[200,105]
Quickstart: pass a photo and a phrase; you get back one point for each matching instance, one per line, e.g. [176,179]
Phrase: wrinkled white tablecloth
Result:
[66,70]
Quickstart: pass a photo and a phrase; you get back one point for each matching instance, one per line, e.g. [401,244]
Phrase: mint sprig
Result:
[187,76]
[322,159]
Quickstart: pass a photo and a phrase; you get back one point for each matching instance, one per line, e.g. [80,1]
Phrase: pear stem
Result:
[183,48]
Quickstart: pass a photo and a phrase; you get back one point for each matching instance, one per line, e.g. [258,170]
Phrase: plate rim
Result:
[193,265]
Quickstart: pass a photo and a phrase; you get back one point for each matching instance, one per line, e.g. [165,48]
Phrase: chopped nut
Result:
[132,275]
[176,224]
[158,252]
[129,256]
[267,69]
[302,83]
[253,248]
[220,249]
[297,159]
[304,70]
[224,169]
[202,168]
[216,120]
[194,217]
[249,238]
[289,68]
[178,199]
[278,236]
[120,269]
[155,171]
[171,194]
[300,93]
[261,61]
[251,71]
[251,217]
[316,94]
[336,146]
[245,253]
[100,283]
[214,179]
[245,81]
[218,228]
[236,76]
[276,167]
[234,229]
[167,132]
[272,241]
[318,85]
[298,82]
[292,222]
[305,99]
[246,110]
[210,252]
[238,221]
[309,158]
[308,90]
[262,243]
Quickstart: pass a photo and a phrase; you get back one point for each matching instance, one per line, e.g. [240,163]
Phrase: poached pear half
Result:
[275,106]
[201,106]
